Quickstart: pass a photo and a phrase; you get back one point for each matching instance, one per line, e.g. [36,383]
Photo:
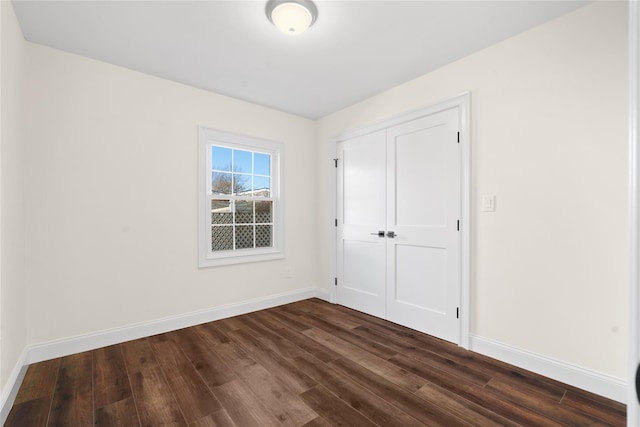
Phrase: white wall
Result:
[549,139]
[12,226]
[112,198]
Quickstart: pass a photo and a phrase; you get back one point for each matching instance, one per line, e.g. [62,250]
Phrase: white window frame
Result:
[206,256]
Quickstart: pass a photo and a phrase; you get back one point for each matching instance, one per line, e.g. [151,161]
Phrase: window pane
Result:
[244,212]
[242,161]
[244,236]
[220,183]
[261,186]
[263,236]
[241,184]
[221,212]
[221,238]
[262,164]
[263,212]
[221,158]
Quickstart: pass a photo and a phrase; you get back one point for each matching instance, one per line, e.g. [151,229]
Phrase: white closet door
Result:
[361,214]
[398,253]
[423,205]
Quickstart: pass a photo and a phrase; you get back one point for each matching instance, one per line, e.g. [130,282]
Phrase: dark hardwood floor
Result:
[308,363]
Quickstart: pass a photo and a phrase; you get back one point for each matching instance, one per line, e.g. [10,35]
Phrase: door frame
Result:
[633,408]
[463,103]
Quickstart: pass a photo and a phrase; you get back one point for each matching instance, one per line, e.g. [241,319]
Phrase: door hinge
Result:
[335,161]
[336,281]
[457,312]
[458,137]
[458,225]
[336,222]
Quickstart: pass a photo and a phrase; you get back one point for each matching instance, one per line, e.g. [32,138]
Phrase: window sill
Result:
[239,258]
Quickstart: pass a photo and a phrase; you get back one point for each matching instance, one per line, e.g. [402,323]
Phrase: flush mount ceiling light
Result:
[292,17]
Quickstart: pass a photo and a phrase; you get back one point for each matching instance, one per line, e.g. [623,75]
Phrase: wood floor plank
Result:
[168,354]
[432,358]
[337,318]
[285,330]
[406,401]
[229,324]
[120,413]
[539,404]
[72,401]
[192,394]
[533,382]
[269,338]
[359,398]
[39,381]
[432,350]
[419,340]
[360,317]
[227,350]
[208,364]
[30,413]
[370,346]
[239,359]
[473,392]
[292,377]
[382,367]
[287,407]
[610,412]
[217,419]
[159,337]
[318,422]
[431,345]
[138,355]
[472,360]
[470,412]
[242,406]
[333,409]
[110,379]
[290,320]
[154,400]
[549,392]
[213,333]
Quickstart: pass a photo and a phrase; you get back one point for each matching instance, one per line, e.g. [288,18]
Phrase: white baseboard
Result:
[10,390]
[586,379]
[67,346]
[323,294]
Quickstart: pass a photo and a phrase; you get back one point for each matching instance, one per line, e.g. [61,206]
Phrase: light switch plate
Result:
[489,203]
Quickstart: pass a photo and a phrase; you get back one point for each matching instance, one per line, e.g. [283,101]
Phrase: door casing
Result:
[633,397]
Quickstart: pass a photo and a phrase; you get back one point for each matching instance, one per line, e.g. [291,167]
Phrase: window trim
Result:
[208,258]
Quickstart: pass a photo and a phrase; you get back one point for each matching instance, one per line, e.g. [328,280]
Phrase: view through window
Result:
[241,203]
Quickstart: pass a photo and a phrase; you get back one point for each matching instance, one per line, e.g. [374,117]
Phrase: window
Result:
[240,199]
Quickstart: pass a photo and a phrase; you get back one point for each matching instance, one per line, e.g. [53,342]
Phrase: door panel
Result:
[364,164]
[362,211]
[413,264]
[423,205]
[421,172]
[358,279]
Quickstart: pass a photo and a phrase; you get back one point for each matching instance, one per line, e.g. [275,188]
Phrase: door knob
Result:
[379,233]
[391,234]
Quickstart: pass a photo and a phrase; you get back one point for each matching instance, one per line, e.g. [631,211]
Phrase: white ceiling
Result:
[356,49]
